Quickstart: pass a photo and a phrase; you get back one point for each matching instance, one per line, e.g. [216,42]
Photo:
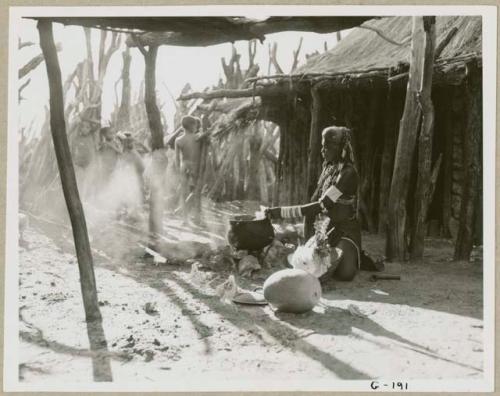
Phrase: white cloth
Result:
[333,193]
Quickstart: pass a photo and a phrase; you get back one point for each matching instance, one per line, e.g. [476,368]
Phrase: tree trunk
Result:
[67,174]
[472,165]
[422,194]
[158,157]
[408,129]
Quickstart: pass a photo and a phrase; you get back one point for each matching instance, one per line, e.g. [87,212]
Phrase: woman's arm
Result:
[291,212]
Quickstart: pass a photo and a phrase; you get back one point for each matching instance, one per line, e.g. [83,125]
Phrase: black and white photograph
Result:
[250,198]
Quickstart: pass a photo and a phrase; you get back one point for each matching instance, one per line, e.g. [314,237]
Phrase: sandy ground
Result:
[428,325]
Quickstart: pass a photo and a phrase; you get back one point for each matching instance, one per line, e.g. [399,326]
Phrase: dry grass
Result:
[363,49]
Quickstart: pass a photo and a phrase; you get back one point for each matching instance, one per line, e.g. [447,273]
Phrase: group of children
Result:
[111,168]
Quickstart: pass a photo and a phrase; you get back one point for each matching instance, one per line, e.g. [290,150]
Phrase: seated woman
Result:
[335,199]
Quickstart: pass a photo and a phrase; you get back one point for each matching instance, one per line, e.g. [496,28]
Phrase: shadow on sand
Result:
[99,354]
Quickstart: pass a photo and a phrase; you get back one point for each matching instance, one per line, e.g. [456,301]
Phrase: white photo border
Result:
[11,303]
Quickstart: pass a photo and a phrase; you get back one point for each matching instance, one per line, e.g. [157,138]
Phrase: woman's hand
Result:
[273,213]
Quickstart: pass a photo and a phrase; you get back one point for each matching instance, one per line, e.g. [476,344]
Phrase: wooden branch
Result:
[67,174]
[100,58]
[22,44]
[34,63]
[296,56]
[274,61]
[301,76]
[382,35]
[252,51]
[442,45]
[90,60]
[202,31]
[235,93]
[21,88]
[250,73]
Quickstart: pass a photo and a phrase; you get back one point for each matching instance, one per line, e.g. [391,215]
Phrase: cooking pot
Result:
[248,233]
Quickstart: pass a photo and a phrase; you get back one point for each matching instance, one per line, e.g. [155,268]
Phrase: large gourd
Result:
[292,290]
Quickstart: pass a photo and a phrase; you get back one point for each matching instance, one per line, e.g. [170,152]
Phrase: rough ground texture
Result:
[165,323]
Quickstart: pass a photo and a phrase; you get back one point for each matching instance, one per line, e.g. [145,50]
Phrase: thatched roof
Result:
[364,49]
[364,58]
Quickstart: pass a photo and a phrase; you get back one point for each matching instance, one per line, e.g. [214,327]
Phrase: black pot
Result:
[248,233]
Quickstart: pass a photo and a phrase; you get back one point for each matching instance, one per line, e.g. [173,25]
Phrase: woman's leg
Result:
[348,266]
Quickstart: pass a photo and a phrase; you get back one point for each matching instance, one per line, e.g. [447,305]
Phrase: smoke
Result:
[111,195]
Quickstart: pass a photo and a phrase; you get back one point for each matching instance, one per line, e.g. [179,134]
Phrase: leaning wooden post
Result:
[67,173]
[408,128]
[424,188]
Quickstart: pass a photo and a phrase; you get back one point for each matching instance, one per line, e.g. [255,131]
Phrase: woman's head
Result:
[335,144]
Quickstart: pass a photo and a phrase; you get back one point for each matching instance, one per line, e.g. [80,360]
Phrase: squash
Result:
[292,290]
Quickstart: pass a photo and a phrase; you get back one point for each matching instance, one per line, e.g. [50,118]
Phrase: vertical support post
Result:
[67,173]
[123,117]
[408,129]
[472,165]
[314,150]
[445,110]
[254,188]
[387,159]
[313,154]
[154,117]
[424,189]
[159,160]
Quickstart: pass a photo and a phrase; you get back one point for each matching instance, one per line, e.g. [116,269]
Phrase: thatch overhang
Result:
[207,30]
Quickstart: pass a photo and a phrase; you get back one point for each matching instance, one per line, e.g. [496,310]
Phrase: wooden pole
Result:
[158,158]
[314,150]
[408,128]
[472,166]
[387,160]
[123,117]
[254,186]
[422,194]
[445,110]
[67,173]
[152,110]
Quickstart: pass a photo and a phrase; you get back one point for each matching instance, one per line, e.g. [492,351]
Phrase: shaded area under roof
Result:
[202,31]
